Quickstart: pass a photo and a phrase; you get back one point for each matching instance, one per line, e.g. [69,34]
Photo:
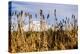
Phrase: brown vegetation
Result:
[42,41]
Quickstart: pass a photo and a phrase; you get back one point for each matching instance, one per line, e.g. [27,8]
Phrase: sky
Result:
[62,10]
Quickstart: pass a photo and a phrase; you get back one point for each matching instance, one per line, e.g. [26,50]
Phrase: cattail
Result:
[47,16]
[55,12]
[41,12]
[17,15]
[43,17]
[26,14]
[21,12]
[63,20]
[15,12]
[36,15]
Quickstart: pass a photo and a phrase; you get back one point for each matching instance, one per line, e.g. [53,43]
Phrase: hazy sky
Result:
[62,10]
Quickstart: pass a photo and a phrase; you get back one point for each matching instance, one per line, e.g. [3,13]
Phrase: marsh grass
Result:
[43,41]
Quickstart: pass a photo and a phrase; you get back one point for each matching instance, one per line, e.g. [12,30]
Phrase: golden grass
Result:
[42,41]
